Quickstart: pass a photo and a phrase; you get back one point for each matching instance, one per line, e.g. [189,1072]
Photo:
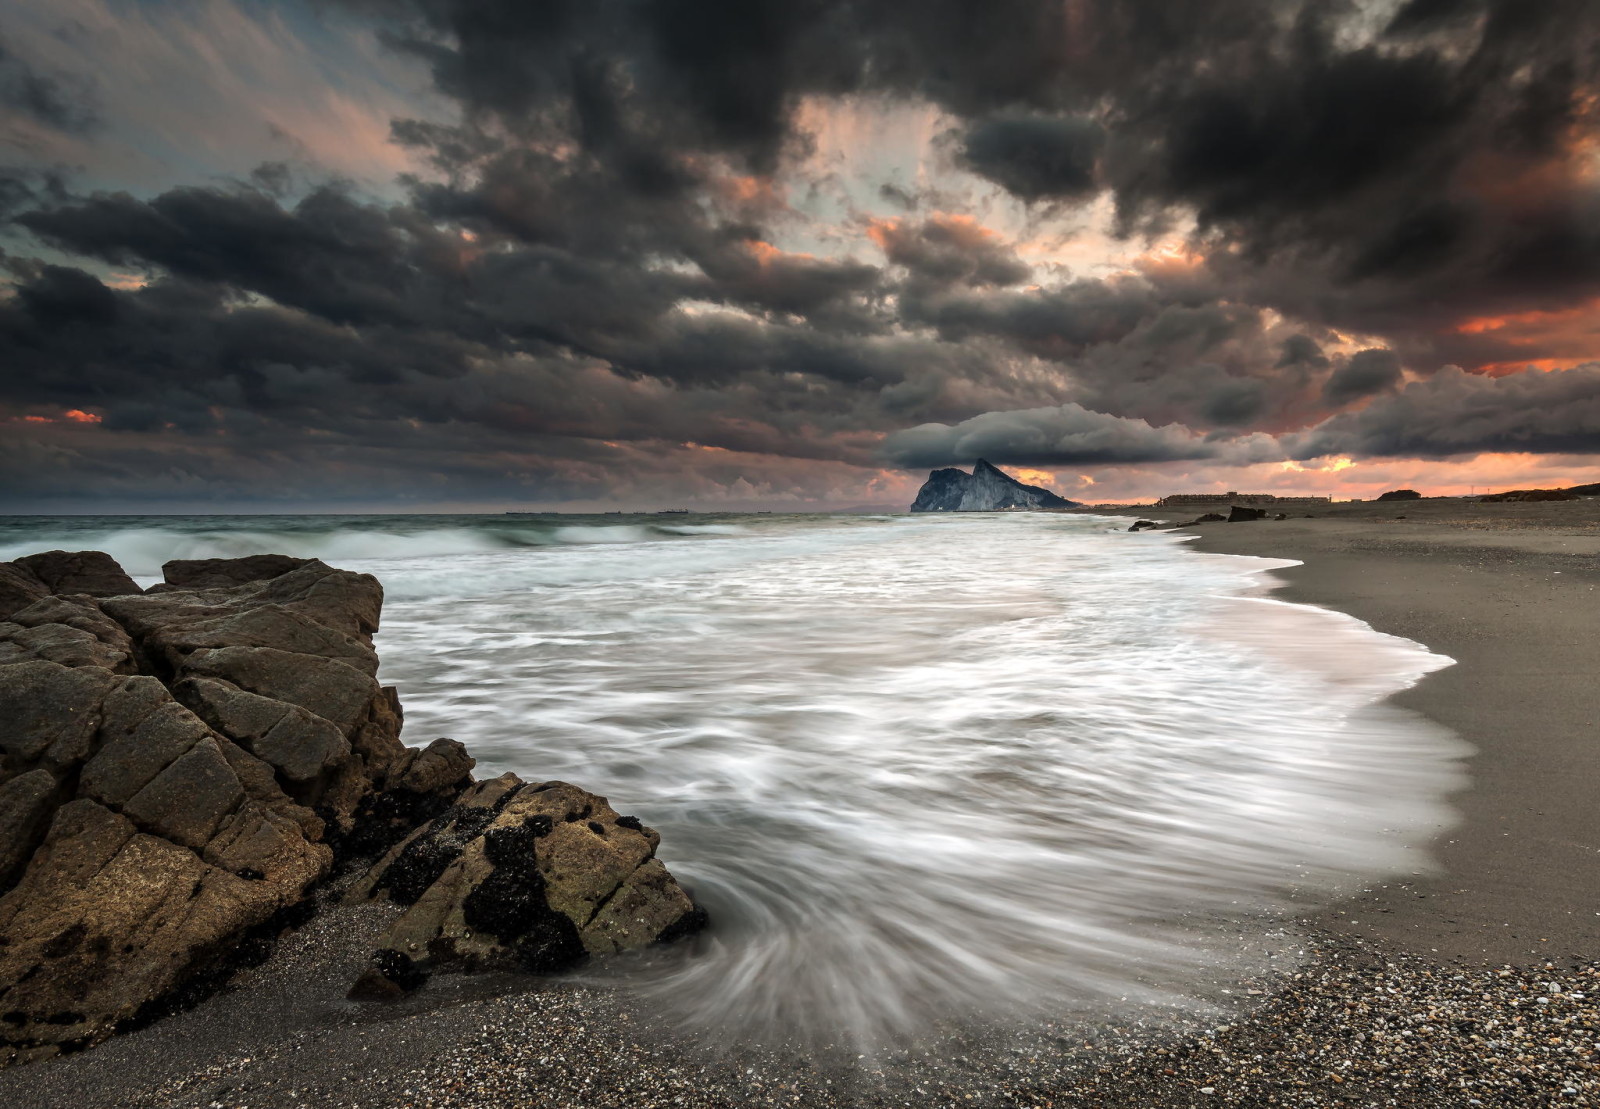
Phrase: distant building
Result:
[1187,500]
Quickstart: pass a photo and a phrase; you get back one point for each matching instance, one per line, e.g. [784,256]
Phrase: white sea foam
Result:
[939,765]
[915,767]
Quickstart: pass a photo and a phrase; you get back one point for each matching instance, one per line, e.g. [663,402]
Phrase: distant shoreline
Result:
[1512,593]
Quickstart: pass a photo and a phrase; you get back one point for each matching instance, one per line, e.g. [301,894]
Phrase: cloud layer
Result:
[643,251]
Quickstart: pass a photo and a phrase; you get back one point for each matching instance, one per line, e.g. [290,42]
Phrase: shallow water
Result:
[917,768]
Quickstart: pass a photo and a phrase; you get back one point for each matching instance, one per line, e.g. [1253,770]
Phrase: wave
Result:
[944,766]
[143,548]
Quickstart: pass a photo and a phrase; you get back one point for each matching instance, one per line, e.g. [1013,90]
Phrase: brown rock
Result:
[19,588]
[530,877]
[52,713]
[149,819]
[329,688]
[300,744]
[439,765]
[107,918]
[26,802]
[264,625]
[90,572]
[209,573]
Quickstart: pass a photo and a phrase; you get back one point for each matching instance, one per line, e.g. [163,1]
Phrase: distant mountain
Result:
[986,489]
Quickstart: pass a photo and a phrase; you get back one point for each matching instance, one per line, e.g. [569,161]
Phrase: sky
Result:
[421,255]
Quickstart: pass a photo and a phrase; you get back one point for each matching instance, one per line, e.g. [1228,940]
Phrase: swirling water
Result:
[915,767]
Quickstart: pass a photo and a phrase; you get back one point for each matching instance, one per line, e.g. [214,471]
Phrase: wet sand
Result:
[1397,1001]
[1510,592]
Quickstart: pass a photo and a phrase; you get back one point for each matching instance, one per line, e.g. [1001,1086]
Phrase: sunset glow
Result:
[829,277]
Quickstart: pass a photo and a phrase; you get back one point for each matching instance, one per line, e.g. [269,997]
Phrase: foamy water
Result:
[915,767]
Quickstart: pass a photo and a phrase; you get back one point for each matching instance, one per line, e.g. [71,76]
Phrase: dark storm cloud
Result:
[1367,372]
[593,258]
[1036,157]
[947,250]
[1457,413]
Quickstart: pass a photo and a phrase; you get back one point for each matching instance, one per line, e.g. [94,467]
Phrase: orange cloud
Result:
[71,415]
[750,192]
[953,227]
[1554,338]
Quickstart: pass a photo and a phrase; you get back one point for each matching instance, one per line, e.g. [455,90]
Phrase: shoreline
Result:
[1515,608]
[1396,1004]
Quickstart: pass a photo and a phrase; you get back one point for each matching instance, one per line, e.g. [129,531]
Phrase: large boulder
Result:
[91,572]
[284,666]
[177,769]
[519,876]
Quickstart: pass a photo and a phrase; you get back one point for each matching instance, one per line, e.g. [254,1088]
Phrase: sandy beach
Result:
[1509,592]
[1474,985]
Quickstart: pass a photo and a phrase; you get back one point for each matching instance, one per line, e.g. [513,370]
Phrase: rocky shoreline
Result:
[1352,1016]
[183,768]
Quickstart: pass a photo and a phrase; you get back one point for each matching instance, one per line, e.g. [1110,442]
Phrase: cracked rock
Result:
[180,768]
[517,876]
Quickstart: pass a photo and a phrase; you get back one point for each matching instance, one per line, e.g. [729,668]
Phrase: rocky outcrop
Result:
[986,489]
[90,572]
[180,767]
[1240,512]
[519,876]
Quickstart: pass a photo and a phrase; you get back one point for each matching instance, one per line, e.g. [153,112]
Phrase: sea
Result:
[916,767]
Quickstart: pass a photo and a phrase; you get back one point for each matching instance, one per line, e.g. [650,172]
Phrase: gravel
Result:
[1354,1024]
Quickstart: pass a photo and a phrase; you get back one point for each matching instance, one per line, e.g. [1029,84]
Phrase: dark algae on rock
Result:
[515,875]
[181,767]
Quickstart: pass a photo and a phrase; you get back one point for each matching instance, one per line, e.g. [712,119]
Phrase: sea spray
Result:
[937,767]
[918,769]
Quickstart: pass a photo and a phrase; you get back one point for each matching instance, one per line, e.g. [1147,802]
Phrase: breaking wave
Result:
[917,768]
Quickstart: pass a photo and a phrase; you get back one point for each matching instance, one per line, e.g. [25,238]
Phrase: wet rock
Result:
[91,572]
[107,918]
[1141,525]
[536,877]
